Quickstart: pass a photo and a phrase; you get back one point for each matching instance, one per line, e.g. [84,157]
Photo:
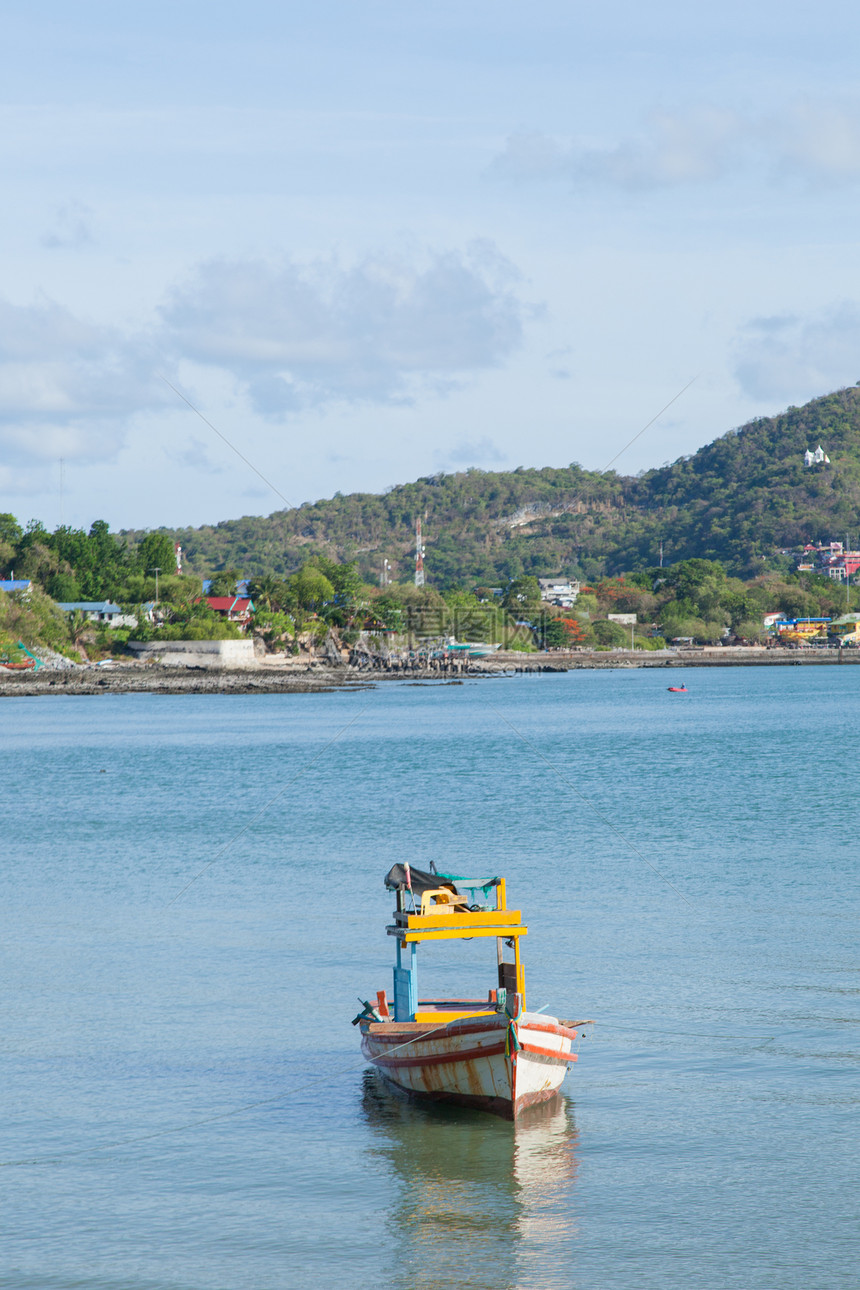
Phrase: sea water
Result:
[191,907]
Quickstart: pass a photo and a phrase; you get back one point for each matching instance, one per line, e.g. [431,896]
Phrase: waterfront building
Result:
[805,627]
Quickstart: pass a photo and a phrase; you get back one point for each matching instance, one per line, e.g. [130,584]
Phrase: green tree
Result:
[223,583]
[522,595]
[266,592]
[34,619]
[156,551]
[10,529]
[311,588]
[554,635]
[81,630]
[586,605]
[752,631]
[38,561]
[63,586]
[274,626]
[388,612]
[7,557]
[607,633]
[344,578]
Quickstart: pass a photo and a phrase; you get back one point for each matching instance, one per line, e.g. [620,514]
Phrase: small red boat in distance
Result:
[678,689]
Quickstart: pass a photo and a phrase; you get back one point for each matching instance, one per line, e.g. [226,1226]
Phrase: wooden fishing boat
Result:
[19,659]
[491,1054]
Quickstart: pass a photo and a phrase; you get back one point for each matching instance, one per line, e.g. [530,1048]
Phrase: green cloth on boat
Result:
[485,885]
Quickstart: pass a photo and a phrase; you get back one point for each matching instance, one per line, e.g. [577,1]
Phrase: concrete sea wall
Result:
[210,654]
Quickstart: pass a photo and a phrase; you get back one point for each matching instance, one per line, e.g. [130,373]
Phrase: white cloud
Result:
[821,141]
[68,387]
[306,335]
[559,360]
[474,452]
[291,336]
[194,455]
[790,359]
[812,142]
[71,228]
[675,149]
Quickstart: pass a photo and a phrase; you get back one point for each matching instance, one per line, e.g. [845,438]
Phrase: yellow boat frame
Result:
[445,917]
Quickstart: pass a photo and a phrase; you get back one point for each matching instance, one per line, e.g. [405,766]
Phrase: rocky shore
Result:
[701,656]
[59,676]
[136,678]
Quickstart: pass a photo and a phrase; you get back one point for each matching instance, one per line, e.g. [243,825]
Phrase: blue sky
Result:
[371,242]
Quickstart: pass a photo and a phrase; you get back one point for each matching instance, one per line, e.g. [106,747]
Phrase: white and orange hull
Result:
[489,1062]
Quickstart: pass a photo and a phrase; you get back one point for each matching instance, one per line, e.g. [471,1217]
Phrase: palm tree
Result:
[80,630]
[265,591]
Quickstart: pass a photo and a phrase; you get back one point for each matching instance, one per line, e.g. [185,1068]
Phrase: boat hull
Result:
[489,1063]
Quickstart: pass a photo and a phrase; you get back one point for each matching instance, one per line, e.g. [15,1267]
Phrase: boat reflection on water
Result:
[480,1202]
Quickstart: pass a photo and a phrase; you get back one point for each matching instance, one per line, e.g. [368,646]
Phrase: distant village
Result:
[95,594]
[549,617]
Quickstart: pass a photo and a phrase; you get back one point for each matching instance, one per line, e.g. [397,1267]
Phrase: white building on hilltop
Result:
[817,458]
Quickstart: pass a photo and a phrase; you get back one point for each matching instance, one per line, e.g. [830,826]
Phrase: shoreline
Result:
[319,678]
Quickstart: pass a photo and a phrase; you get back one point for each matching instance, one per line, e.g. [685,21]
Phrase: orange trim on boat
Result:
[548,1028]
[554,1053]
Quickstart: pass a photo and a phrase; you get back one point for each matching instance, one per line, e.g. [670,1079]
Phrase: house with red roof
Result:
[236,609]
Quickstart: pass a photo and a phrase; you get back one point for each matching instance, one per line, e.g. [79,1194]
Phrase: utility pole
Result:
[62,506]
[156,571]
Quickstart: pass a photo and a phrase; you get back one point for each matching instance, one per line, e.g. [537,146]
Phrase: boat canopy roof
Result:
[419,880]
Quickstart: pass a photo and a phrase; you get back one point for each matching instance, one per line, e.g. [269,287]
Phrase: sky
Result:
[259,254]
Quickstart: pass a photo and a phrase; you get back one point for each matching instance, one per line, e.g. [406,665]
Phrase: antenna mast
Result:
[419,555]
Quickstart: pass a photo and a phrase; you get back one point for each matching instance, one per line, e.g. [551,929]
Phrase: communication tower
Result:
[419,555]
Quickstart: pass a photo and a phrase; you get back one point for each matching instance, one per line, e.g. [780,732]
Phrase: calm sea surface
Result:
[184,1105]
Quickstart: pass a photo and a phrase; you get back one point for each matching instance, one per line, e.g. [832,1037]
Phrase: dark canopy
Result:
[421,880]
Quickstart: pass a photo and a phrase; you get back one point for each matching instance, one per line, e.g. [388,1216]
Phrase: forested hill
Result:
[737,500]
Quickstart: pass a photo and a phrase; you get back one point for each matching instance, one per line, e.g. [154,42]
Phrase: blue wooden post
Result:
[406,985]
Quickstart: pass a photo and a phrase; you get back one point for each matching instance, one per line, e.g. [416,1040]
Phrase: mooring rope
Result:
[55,1157]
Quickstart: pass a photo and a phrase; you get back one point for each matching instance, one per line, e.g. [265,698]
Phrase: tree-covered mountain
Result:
[738,500]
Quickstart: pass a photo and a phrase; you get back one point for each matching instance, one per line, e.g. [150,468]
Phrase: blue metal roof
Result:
[90,606]
[15,584]
[241,586]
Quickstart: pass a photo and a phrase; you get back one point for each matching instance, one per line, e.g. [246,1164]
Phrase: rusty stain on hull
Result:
[490,1064]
